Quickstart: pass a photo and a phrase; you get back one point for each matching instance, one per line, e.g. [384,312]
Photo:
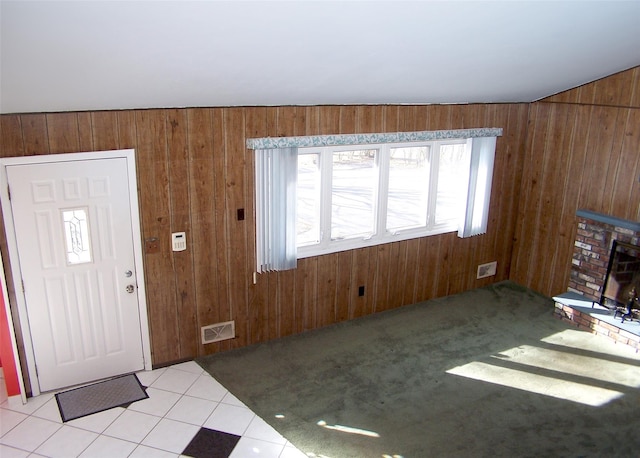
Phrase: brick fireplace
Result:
[592,247]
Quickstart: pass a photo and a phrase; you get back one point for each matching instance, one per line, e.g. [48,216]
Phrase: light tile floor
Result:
[182,399]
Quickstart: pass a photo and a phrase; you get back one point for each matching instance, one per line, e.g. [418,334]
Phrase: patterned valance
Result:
[366,139]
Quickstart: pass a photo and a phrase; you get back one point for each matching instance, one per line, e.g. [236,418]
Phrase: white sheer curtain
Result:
[276,180]
[476,211]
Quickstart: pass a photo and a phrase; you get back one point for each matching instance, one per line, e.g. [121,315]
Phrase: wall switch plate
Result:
[179,241]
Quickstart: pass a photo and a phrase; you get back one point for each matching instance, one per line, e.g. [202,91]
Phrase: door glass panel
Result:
[76,234]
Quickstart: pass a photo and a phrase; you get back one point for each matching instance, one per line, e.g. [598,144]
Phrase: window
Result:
[317,195]
[350,197]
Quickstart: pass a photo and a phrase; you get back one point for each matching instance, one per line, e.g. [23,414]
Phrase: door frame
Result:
[16,271]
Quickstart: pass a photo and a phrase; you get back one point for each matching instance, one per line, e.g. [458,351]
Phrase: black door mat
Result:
[208,443]
[116,392]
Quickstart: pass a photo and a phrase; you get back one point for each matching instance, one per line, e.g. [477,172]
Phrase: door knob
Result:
[130,288]
[128,273]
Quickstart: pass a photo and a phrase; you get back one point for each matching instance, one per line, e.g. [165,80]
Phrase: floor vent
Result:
[218,331]
[487,270]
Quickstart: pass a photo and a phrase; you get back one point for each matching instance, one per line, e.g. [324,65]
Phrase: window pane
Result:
[451,183]
[76,232]
[308,209]
[352,194]
[408,188]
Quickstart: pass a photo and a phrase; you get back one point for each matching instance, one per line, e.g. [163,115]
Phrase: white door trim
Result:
[129,155]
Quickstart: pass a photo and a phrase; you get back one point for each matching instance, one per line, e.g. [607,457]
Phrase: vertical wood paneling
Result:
[62,132]
[560,138]
[634,88]
[34,134]
[306,294]
[627,191]
[330,120]
[262,317]
[619,90]
[410,271]
[127,130]
[460,254]
[510,163]
[429,269]
[547,176]
[343,285]
[312,121]
[154,196]
[589,161]
[391,122]
[383,267]
[597,162]
[105,130]
[442,119]
[360,305]
[236,241]
[614,89]
[11,142]
[565,224]
[176,125]
[194,173]
[327,276]
[85,132]
[615,156]
[219,233]
[557,160]
[286,305]
[538,123]
[203,218]
[397,278]
[347,119]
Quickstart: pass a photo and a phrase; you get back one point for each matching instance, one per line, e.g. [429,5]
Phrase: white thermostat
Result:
[179,241]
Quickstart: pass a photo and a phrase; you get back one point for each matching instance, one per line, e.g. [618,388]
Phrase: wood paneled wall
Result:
[194,173]
[582,152]
[618,90]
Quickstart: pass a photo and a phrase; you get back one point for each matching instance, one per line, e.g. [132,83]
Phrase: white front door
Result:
[73,228]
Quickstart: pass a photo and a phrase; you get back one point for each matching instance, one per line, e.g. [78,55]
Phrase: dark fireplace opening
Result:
[622,282]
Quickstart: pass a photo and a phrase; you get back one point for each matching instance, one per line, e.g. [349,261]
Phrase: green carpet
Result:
[379,386]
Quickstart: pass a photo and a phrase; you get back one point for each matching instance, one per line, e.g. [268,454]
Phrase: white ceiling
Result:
[94,55]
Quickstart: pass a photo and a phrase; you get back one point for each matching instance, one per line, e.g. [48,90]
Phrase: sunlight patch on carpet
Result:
[548,386]
[348,429]
[575,365]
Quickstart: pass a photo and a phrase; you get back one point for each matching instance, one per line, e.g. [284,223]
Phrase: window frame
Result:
[276,185]
[380,234]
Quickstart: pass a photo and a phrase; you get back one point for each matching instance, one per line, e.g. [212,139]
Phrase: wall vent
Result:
[218,331]
[487,270]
